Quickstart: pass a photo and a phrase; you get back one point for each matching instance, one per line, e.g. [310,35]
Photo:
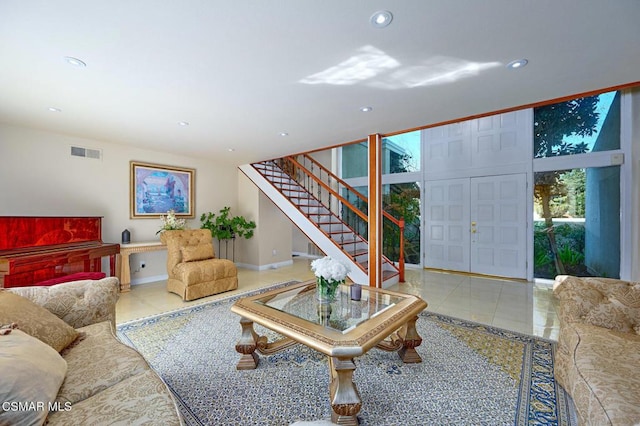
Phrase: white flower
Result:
[329,269]
[170,222]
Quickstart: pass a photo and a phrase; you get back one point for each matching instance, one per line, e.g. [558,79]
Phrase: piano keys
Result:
[36,249]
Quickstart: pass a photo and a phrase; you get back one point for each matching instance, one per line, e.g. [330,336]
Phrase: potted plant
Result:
[225,227]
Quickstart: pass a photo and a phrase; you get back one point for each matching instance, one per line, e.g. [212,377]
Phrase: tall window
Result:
[402,200]
[577,209]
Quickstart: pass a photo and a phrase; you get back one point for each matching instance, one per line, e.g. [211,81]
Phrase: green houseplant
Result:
[225,227]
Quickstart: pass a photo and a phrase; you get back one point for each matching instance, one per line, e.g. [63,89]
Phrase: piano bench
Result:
[72,277]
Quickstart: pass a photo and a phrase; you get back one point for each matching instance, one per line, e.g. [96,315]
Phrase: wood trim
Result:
[518,108]
[375,210]
[495,112]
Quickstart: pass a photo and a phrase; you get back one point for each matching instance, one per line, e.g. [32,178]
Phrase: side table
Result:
[123,267]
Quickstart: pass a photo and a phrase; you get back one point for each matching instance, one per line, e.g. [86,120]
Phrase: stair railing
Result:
[311,178]
[303,169]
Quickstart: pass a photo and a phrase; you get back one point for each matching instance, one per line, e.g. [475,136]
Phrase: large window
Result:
[576,222]
[400,154]
[402,200]
[577,126]
[576,184]
[576,209]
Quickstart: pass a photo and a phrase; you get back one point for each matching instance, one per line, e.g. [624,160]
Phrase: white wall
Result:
[271,243]
[40,178]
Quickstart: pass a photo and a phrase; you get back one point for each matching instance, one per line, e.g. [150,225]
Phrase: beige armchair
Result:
[193,269]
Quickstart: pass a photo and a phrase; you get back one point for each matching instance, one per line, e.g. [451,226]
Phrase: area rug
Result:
[471,374]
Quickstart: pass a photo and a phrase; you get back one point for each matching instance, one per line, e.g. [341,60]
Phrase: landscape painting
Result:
[156,189]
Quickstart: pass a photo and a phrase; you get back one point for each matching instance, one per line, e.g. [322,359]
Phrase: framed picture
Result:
[155,189]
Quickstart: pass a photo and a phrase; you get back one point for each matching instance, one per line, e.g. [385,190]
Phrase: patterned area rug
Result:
[470,375]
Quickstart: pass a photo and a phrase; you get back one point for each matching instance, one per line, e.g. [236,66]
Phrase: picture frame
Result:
[155,189]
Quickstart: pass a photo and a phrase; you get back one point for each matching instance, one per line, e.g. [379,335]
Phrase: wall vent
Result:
[78,151]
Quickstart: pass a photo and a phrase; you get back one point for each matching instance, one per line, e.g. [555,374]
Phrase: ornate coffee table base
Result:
[404,341]
[343,394]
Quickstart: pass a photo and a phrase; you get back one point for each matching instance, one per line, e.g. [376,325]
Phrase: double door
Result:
[477,225]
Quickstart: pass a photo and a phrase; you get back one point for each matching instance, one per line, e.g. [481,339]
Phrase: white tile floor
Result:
[519,306]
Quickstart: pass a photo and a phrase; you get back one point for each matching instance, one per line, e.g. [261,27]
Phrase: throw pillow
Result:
[35,321]
[609,316]
[628,301]
[32,373]
[195,253]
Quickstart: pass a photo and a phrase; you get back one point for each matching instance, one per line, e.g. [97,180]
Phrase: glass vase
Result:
[326,290]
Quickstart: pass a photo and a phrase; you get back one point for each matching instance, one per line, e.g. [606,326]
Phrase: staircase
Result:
[310,196]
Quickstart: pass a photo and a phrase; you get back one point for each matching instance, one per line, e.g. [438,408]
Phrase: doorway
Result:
[477,225]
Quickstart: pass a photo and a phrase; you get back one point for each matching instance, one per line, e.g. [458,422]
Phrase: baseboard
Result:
[146,280]
[265,267]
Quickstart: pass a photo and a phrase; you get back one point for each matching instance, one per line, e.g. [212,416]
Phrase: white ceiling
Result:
[242,71]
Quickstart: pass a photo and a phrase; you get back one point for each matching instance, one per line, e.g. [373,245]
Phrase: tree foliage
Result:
[553,122]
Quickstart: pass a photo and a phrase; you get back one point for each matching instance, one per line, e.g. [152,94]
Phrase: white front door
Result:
[447,224]
[477,225]
[498,226]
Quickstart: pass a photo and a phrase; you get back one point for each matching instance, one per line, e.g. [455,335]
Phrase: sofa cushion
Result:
[610,316]
[629,297]
[198,252]
[78,303]
[628,300]
[31,372]
[97,362]
[35,321]
[142,399]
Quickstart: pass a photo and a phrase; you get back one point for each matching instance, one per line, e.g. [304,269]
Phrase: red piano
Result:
[47,250]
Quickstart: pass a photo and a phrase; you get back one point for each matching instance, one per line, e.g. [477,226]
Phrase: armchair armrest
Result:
[78,303]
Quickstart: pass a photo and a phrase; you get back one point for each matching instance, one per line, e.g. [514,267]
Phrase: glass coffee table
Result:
[342,330]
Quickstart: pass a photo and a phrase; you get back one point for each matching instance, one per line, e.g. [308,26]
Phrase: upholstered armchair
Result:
[193,269]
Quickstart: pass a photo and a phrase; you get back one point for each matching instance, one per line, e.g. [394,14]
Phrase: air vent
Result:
[78,151]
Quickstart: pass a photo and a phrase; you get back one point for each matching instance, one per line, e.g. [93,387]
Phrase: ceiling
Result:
[241,72]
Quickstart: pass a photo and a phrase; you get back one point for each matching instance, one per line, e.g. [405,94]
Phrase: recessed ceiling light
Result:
[366,109]
[230,149]
[183,123]
[75,62]
[283,134]
[381,19]
[52,109]
[517,64]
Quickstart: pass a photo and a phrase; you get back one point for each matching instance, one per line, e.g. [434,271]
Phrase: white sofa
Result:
[80,374]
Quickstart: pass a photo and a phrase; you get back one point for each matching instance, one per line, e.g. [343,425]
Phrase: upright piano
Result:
[45,250]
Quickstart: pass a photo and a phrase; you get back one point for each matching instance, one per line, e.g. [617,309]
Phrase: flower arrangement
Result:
[170,222]
[329,274]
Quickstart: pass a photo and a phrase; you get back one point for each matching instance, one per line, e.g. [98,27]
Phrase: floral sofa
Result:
[61,363]
[598,357]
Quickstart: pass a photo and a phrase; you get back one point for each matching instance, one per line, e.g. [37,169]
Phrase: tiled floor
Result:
[519,306]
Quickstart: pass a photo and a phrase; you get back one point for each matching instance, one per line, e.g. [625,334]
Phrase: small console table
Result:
[122,259]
